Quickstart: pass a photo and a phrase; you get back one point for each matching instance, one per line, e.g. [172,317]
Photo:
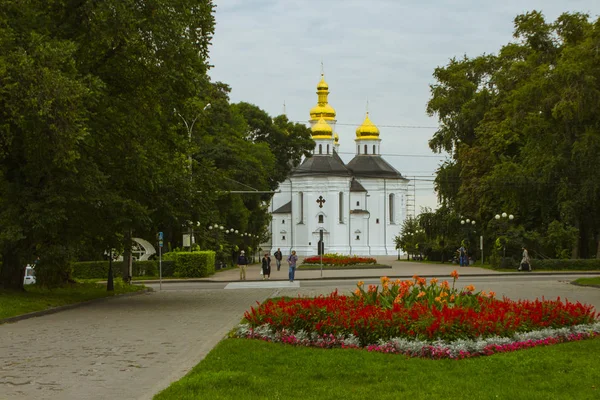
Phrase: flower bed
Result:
[420,319]
[339,260]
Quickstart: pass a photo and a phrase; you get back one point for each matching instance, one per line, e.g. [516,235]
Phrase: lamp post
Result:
[468,224]
[503,217]
[190,127]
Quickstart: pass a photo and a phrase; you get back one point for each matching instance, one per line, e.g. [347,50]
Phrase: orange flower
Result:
[372,288]
[398,299]
[470,288]
[452,297]
[421,294]
[415,277]
[384,280]
[492,294]
[483,293]
[445,285]
[397,282]
[438,299]
[454,274]
[357,292]
[422,281]
[360,283]
[444,294]
[410,283]
[433,281]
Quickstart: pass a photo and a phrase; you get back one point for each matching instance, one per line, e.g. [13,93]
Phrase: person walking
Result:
[266,267]
[242,263]
[462,256]
[278,258]
[525,261]
[292,260]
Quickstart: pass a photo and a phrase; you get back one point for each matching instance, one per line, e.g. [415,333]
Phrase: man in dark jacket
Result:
[278,258]
[242,262]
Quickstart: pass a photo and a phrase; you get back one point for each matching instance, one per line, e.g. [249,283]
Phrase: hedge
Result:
[99,269]
[195,264]
[579,264]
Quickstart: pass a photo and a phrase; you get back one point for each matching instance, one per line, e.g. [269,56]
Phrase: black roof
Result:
[284,209]
[373,166]
[322,164]
[355,186]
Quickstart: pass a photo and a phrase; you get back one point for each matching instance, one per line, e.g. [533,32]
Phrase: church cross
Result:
[320,200]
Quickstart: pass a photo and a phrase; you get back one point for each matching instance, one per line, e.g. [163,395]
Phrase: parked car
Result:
[29,275]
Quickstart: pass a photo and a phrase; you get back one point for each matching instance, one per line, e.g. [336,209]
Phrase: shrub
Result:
[99,269]
[562,265]
[196,264]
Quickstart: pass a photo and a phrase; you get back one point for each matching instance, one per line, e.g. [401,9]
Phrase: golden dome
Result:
[336,138]
[367,130]
[322,85]
[322,109]
[322,130]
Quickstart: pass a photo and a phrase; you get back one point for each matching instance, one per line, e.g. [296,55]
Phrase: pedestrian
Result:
[462,256]
[525,261]
[266,267]
[278,258]
[292,260]
[242,262]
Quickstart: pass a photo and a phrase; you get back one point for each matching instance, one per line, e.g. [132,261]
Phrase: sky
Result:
[379,54]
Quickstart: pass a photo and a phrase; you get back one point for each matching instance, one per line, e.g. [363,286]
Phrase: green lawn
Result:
[588,281]
[251,369]
[37,299]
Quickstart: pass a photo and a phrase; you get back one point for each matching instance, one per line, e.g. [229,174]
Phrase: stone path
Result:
[123,348]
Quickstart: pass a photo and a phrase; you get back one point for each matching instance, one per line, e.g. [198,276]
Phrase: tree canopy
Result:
[97,101]
[523,130]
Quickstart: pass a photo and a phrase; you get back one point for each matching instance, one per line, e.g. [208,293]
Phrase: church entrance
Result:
[320,244]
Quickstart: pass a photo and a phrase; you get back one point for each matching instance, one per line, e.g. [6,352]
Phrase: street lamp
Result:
[190,127]
[510,218]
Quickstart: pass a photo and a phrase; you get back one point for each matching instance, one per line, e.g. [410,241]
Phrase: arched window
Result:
[321,219]
[327,149]
[320,149]
[366,149]
[391,206]
[374,152]
[341,207]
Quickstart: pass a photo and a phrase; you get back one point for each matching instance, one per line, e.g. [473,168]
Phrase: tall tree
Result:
[523,130]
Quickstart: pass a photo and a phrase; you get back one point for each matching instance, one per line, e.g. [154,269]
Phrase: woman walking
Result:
[266,266]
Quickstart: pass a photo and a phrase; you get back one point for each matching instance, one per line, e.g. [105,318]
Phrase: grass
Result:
[35,298]
[252,369]
[588,281]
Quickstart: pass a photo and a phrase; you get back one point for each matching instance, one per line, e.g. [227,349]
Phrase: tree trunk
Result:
[12,272]
[126,270]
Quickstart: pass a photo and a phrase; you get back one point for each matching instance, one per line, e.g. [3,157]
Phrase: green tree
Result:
[522,128]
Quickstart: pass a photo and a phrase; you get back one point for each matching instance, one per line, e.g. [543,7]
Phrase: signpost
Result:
[481,247]
[160,245]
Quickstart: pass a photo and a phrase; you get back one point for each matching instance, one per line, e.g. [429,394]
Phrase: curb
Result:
[342,278]
[69,306]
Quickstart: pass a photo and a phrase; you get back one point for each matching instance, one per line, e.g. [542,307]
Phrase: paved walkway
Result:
[133,347]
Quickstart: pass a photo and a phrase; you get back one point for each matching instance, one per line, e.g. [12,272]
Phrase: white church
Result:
[356,208]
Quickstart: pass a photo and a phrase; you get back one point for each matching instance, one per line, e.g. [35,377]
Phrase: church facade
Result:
[354,208]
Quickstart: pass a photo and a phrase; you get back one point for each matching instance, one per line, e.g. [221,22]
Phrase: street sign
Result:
[160,236]
[160,243]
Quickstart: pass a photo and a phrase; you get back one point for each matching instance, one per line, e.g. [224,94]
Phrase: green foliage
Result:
[99,269]
[522,129]
[567,265]
[197,264]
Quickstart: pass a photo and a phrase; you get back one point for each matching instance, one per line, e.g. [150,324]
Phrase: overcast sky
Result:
[380,51]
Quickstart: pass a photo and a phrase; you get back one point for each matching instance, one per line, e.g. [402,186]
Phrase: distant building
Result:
[357,208]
